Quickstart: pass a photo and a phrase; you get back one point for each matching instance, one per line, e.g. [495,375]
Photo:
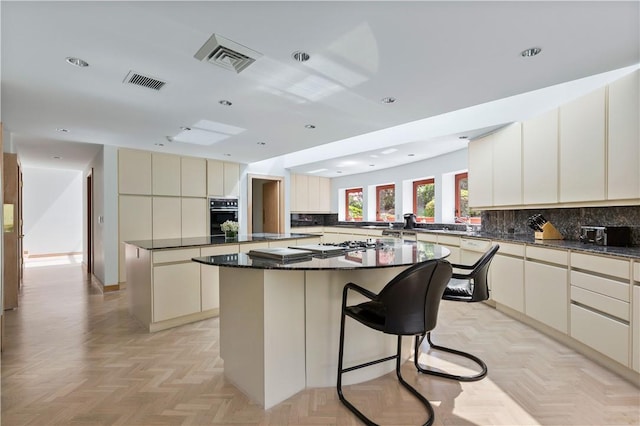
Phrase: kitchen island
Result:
[280,321]
[166,289]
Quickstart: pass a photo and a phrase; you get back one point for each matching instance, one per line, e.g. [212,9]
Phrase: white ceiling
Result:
[454,67]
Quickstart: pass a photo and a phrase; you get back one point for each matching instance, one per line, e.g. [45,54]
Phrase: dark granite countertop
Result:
[393,252]
[175,243]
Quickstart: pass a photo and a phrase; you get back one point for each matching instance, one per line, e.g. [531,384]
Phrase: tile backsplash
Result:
[567,220]
[300,219]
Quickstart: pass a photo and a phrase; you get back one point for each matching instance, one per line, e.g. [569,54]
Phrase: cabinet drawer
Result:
[604,265]
[560,257]
[449,240]
[604,286]
[608,305]
[430,238]
[603,334]
[217,250]
[511,249]
[636,271]
[474,245]
[175,255]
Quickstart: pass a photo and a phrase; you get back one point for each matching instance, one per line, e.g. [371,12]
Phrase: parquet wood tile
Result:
[75,356]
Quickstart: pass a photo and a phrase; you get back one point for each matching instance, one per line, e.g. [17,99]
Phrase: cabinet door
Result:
[481,172]
[507,281]
[176,290]
[507,162]
[582,148]
[215,178]
[134,172]
[166,174]
[167,221]
[194,217]
[209,276]
[134,224]
[325,195]
[540,159]
[231,179]
[635,329]
[301,194]
[293,186]
[545,294]
[623,171]
[193,181]
[313,189]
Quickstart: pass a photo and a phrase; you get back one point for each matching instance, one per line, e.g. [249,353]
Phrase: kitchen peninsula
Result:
[166,289]
[280,321]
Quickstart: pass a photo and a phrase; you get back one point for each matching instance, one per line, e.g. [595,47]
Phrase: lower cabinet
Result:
[635,327]
[209,276]
[507,276]
[176,290]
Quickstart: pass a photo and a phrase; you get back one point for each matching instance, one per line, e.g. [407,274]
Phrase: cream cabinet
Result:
[635,327]
[310,194]
[194,217]
[193,177]
[166,174]
[480,173]
[176,284]
[134,172]
[540,159]
[452,243]
[209,276]
[167,222]
[507,276]
[134,224]
[582,148]
[223,178]
[507,161]
[623,141]
[472,249]
[545,287]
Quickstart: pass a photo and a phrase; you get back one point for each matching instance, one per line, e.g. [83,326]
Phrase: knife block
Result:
[549,232]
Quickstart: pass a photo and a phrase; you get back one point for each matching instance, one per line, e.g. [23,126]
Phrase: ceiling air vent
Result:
[226,54]
[143,80]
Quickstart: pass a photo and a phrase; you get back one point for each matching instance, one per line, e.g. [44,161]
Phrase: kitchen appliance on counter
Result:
[544,230]
[221,210]
[606,235]
[409,221]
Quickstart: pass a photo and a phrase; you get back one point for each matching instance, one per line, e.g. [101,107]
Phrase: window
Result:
[386,203]
[463,213]
[424,200]
[353,204]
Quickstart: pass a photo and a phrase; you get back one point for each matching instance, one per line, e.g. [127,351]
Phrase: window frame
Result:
[379,189]
[347,215]
[416,184]
[472,219]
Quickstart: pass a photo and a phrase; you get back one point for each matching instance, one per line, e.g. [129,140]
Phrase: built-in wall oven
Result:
[221,210]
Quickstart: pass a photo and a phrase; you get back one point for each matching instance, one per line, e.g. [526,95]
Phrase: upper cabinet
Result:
[223,178]
[166,174]
[623,173]
[584,153]
[134,172]
[310,194]
[582,148]
[193,177]
[540,159]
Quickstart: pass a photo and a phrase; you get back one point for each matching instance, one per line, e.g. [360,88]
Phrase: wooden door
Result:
[271,207]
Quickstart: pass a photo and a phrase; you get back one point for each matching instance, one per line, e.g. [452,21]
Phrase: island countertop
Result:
[209,240]
[390,252]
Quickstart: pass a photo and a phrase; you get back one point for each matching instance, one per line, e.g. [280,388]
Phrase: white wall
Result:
[52,210]
[440,168]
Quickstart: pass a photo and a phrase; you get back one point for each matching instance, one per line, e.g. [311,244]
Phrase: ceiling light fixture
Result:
[227,155]
[57,157]
[300,56]
[309,126]
[170,138]
[158,144]
[261,143]
[62,129]
[77,62]
[388,100]
[463,137]
[372,165]
[186,129]
[225,102]
[410,155]
[338,171]
[533,51]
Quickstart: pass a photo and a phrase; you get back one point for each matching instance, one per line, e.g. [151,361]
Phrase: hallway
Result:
[76,357]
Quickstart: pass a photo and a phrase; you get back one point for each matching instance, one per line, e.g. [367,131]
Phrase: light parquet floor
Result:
[76,357]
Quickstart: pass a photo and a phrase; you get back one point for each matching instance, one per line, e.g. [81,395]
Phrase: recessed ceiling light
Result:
[372,165]
[158,144]
[309,126]
[463,137]
[530,52]
[77,62]
[261,143]
[227,155]
[338,171]
[225,102]
[62,129]
[410,155]
[300,56]
[170,138]
[185,128]
[388,100]
[56,157]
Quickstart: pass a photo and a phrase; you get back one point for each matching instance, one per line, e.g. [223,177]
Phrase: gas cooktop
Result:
[357,245]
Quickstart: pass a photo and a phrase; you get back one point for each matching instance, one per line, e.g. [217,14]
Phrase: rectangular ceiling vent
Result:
[144,81]
[226,54]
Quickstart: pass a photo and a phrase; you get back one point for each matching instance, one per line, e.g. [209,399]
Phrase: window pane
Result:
[464,214]
[354,204]
[386,197]
[425,202]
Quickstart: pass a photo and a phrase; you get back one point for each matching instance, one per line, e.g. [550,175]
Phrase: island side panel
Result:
[138,264]
[362,344]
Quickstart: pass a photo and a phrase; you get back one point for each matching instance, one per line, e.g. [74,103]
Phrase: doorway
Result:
[90,222]
[265,210]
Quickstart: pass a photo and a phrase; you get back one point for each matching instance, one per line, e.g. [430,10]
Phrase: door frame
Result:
[280,180]
[90,228]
